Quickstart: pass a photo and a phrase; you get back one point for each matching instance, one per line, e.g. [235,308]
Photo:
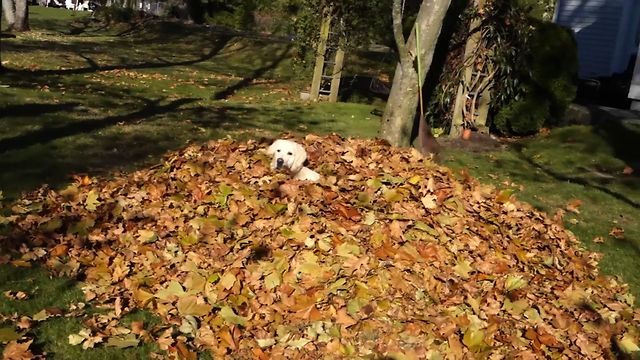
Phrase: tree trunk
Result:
[399,114]
[22,16]
[9,11]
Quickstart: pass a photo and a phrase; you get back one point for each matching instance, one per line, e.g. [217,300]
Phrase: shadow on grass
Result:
[622,138]
[257,73]
[217,45]
[573,179]
[152,108]
[36,109]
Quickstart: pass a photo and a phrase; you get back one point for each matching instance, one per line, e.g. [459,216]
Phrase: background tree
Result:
[399,114]
[9,11]
[17,14]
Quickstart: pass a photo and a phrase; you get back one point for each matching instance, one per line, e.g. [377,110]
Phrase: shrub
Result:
[549,86]
[524,116]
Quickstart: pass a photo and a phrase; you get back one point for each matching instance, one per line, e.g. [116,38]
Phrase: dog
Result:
[290,156]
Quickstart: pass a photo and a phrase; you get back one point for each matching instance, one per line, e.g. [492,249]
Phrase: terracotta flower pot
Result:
[466,134]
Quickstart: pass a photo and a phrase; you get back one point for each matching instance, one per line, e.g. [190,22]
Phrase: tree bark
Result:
[9,11]
[400,112]
[22,16]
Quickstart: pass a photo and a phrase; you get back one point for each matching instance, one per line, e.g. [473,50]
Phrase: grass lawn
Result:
[84,99]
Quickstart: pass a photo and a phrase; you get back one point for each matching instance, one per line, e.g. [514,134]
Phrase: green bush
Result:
[549,86]
[524,116]
[555,65]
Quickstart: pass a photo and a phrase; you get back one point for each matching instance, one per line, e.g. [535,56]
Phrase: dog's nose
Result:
[279,162]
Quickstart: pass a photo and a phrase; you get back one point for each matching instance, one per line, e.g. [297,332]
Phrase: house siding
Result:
[601,28]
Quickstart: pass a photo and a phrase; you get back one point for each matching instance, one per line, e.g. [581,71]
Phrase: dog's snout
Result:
[279,162]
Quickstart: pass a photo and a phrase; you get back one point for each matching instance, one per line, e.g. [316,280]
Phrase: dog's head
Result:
[287,154]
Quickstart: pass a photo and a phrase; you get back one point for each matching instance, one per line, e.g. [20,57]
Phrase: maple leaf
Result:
[17,351]
[617,233]
[92,202]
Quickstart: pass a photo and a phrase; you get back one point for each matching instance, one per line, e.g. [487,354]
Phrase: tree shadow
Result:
[623,139]
[247,80]
[36,109]
[217,45]
[518,147]
[152,108]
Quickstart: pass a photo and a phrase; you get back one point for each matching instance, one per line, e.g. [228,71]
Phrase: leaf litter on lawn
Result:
[388,255]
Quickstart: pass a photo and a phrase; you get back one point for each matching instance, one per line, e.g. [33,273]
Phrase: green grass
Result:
[81,98]
[117,98]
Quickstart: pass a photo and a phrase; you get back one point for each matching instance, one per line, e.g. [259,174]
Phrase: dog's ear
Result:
[299,157]
[272,148]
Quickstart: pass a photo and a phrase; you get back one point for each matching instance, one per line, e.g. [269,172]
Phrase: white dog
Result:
[290,155]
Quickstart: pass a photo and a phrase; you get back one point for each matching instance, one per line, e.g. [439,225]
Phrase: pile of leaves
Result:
[388,255]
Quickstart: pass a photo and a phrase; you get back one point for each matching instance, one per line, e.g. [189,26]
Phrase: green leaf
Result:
[363,199]
[272,280]
[8,334]
[224,191]
[348,250]
[82,227]
[75,339]
[123,341]
[275,209]
[426,228]
[299,343]
[337,285]
[516,307]
[51,225]
[514,282]
[187,239]
[375,184]
[147,236]
[174,289]
[230,316]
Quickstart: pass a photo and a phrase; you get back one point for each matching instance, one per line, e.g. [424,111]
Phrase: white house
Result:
[607,33]
[608,36]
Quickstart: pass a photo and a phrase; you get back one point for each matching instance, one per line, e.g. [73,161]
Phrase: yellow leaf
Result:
[227,280]
[188,305]
[393,195]
[414,179]
[92,202]
[230,316]
[272,280]
[147,236]
[474,339]
[463,268]
[429,202]
[174,289]
[514,282]
[627,345]
[194,283]
[348,250]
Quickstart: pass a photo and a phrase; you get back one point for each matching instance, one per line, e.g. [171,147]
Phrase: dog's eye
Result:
[278,150]
[289,153]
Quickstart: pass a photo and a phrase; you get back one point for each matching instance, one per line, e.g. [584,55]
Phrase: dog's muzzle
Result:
[279,163]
